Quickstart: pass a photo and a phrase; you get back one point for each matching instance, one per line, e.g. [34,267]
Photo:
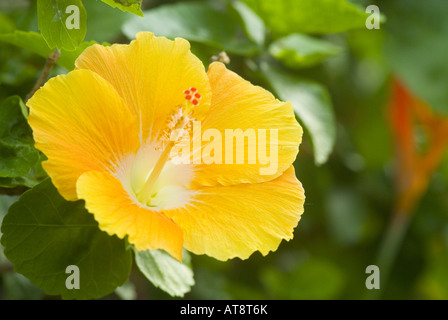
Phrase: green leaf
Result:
[132,6]
[300,51]
[19,160]
[5,202]
[312,105]
[43,234]
[16,286]
[127,291]
[416,48]
[253,24]
[62,23]
[195,22]
[309,16]
[165,272]
[35,43]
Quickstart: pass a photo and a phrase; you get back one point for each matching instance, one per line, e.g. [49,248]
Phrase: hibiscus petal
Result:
[237,104]
[235,221]
[151,74]
[120,214]
[80,123]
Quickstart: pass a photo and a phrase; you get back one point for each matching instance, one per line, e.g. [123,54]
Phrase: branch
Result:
[7,267]
[49,64]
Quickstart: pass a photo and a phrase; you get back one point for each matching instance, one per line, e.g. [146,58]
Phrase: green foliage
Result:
[6,25]
[299,50]
[35,43]
[132,6]
[54,17]
[253,24]
[43,234]
[312,104]
[434,280]
[309,16]
[194,21]
[165,272]
[317,54]
[313,279]
[19,160]
[106,22]
[417,52]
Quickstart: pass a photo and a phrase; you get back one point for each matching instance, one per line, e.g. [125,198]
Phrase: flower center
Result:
[147,194]
[168,190]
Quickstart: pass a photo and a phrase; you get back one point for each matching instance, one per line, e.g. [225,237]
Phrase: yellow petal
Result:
[151,74]
[235,221]
[120,214]
[237,104]
[81,124]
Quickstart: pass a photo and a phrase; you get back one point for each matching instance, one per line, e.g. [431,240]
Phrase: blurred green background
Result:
[338,75]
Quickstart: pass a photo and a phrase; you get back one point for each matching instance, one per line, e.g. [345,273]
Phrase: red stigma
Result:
[192,95]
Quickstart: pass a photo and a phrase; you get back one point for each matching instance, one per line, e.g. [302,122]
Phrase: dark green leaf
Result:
[312,105]
[62,23]
[132,6]
[309,16]
[195,22]
[35,43]
[16,286]
[43,234]
[19,160]
[299,50]
[5,203]
[416,47]
[165,272]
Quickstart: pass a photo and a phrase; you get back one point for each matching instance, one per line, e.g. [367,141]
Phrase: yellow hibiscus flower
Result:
[107,130]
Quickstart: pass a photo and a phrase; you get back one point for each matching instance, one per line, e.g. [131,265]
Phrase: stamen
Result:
[144,196]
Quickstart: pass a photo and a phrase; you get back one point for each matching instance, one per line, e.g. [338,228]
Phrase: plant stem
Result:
[6,267]
[389,249]
[49,64]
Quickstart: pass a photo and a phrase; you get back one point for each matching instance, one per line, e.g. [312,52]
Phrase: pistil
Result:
[192,97]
